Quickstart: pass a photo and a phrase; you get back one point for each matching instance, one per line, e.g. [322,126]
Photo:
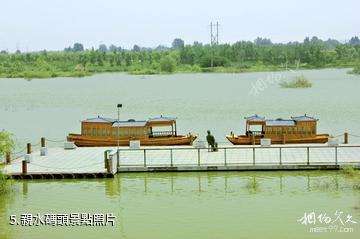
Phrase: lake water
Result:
[188,205]
[183,205]
[219,102]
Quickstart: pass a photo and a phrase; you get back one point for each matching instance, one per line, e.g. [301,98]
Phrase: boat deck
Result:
[86,162]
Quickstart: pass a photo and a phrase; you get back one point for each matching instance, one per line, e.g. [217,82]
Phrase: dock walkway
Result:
[61,163]
[89,162]
[275,157]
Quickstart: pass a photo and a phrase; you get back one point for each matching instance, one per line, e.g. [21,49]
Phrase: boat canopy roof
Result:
[162,119]
[157,121]
[304,118]
[254,118]
[280,122]
[99,119]
[129,124]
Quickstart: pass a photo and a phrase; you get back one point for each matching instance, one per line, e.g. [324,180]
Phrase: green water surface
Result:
[187,205]
[182,205]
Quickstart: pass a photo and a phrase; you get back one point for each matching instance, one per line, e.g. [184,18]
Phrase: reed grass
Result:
[4,182]
[297,82]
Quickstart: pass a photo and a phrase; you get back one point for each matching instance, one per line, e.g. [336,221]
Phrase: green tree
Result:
[117,59]
[111,60]
[6,142]
[103,48]
[177,44]
[100,61]
[78,47]
[167,64]
[113,48]
[136,48]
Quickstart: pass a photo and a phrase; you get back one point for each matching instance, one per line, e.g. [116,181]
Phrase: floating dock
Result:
[238,158]
[104,162]
[60,163]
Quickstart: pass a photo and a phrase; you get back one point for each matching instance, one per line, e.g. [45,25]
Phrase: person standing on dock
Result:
[211,141]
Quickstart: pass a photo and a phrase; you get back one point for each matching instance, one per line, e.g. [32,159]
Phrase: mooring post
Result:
[346,138]
[42,140]
[171,157]
[43,149]
[8,158]
[117,159]
[336,156]
[28,147]
[24,167]
[144,157]
[225,156]
[198,157]
[109,165]
[253,155]
[308,155]
[105,159]
[280,154]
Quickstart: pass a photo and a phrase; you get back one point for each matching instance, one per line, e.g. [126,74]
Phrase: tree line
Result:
[261,54]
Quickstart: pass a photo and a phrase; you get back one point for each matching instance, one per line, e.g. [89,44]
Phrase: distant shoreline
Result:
[226,70]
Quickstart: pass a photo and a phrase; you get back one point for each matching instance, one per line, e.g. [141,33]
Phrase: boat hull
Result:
[85,141]
[245,140]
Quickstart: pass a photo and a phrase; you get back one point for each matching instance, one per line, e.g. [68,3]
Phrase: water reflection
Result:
[252,182]
[25,188]
[112,187]
[153,196]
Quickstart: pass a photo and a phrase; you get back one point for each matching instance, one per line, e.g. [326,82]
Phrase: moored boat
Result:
[102,131]
[297,130]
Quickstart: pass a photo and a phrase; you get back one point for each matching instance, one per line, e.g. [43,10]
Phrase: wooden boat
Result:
[110,132]
[297,130]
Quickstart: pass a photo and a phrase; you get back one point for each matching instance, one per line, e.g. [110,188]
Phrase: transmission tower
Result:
[214,39]
[214,36]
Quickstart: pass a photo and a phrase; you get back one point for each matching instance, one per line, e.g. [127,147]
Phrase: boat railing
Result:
[255,133]
[161,133]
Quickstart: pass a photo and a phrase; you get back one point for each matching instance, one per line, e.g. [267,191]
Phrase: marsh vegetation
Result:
[297,82]
[6,145]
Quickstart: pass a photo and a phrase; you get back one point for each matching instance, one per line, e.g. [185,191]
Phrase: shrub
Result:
[356,69]
[298,82]
[167,64]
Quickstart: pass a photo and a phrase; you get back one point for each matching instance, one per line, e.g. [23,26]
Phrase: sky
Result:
[31,25]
